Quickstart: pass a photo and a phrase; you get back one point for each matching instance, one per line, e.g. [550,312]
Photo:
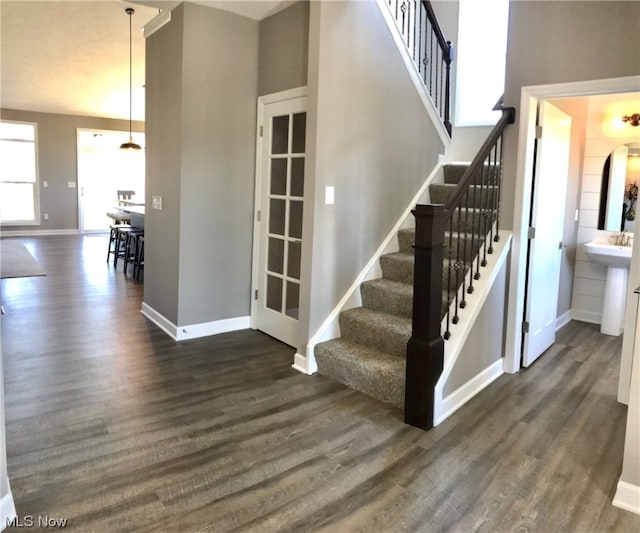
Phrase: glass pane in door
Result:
[285,205]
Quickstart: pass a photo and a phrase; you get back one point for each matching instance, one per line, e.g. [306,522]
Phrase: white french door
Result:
[280,205]
[547,217]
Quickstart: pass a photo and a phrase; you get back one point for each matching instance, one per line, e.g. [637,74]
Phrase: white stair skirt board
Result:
[330,329]
[7,509]
[421,89]
[194,331]
[457,399]
[460,332]
[627,497]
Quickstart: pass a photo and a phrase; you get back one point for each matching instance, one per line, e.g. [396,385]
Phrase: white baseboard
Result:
[38,232]
[457,399]
[591,317]
[7,509]
[306,365]
[563,320]
[194,331]
[627,497]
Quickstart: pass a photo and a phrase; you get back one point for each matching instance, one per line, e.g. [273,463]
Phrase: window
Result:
[481,58]
[18,173]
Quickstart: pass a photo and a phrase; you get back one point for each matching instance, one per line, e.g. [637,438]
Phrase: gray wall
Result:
[58,162]
[560,42]
[163,137]
[283,49]
[484,345]
[201,118]
[368,135]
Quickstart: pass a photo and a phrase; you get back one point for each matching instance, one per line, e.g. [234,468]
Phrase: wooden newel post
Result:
[425,350]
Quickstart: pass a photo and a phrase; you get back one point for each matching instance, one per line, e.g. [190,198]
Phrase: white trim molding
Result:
[444,407]
[563,320]
[471,388]
[38,232]
[193,331]
[591,317]
[627,497]
[156,23]
[7,509]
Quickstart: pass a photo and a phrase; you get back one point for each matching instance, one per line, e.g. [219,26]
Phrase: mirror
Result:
[619,189]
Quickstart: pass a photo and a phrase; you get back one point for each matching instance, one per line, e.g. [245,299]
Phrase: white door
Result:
[547,217]
[281,184]
[103,169]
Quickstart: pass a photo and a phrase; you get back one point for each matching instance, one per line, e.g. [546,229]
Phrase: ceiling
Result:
[73,57]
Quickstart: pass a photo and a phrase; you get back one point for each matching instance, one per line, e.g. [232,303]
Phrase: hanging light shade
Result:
[130,145]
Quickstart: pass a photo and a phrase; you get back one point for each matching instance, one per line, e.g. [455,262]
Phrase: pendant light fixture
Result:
[130,145]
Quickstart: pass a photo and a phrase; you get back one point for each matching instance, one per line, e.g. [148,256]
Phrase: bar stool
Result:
[131,248]
[139,260]
[119,220]
[122,232]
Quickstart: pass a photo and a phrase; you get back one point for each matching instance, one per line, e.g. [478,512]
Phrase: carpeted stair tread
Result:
[372,372]
[388,296]
[378,330]
[454,171]
[397,266]
[439,193]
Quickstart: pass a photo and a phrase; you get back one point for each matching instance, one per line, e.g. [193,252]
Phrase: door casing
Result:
[263,101]
[530,95]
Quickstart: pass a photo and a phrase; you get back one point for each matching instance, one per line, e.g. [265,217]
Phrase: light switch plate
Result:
[329,195]
[156,202]
[71,185]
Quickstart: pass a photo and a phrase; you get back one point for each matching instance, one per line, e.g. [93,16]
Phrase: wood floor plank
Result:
[115,426]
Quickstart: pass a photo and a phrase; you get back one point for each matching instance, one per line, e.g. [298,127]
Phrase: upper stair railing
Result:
[451,245]
[431,52]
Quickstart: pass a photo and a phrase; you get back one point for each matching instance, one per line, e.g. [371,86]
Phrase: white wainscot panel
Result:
[590,270]
[586,234]
[590,200]
[588,287]
[593,165]
[591,183]
[588,218]
[598,146]
[589,305]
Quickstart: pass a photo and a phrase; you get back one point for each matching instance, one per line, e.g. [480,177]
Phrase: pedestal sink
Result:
[617,259]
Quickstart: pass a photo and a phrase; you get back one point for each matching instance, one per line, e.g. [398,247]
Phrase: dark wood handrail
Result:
[430,51]
[508,117]
[444,44]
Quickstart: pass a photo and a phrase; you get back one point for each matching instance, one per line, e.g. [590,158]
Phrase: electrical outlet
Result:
[71,184]
[156,202]
[45,183]
[46,216]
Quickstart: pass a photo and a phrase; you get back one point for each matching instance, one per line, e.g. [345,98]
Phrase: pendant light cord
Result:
[130,13]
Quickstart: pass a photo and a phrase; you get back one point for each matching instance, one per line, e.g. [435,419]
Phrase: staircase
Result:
[370,356]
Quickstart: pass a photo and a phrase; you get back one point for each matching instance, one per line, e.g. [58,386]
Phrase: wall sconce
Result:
[633,119]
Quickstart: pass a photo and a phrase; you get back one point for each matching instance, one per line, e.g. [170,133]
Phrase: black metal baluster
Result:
[463,303]
[491,205]
[497,190]
[474,207]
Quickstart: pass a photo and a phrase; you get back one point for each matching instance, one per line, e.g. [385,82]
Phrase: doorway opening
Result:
[103,169]
[531,96]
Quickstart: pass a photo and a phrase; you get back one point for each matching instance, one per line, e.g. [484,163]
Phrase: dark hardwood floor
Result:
[116,427]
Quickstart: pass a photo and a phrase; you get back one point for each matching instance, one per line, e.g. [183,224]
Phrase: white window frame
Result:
[36,184]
